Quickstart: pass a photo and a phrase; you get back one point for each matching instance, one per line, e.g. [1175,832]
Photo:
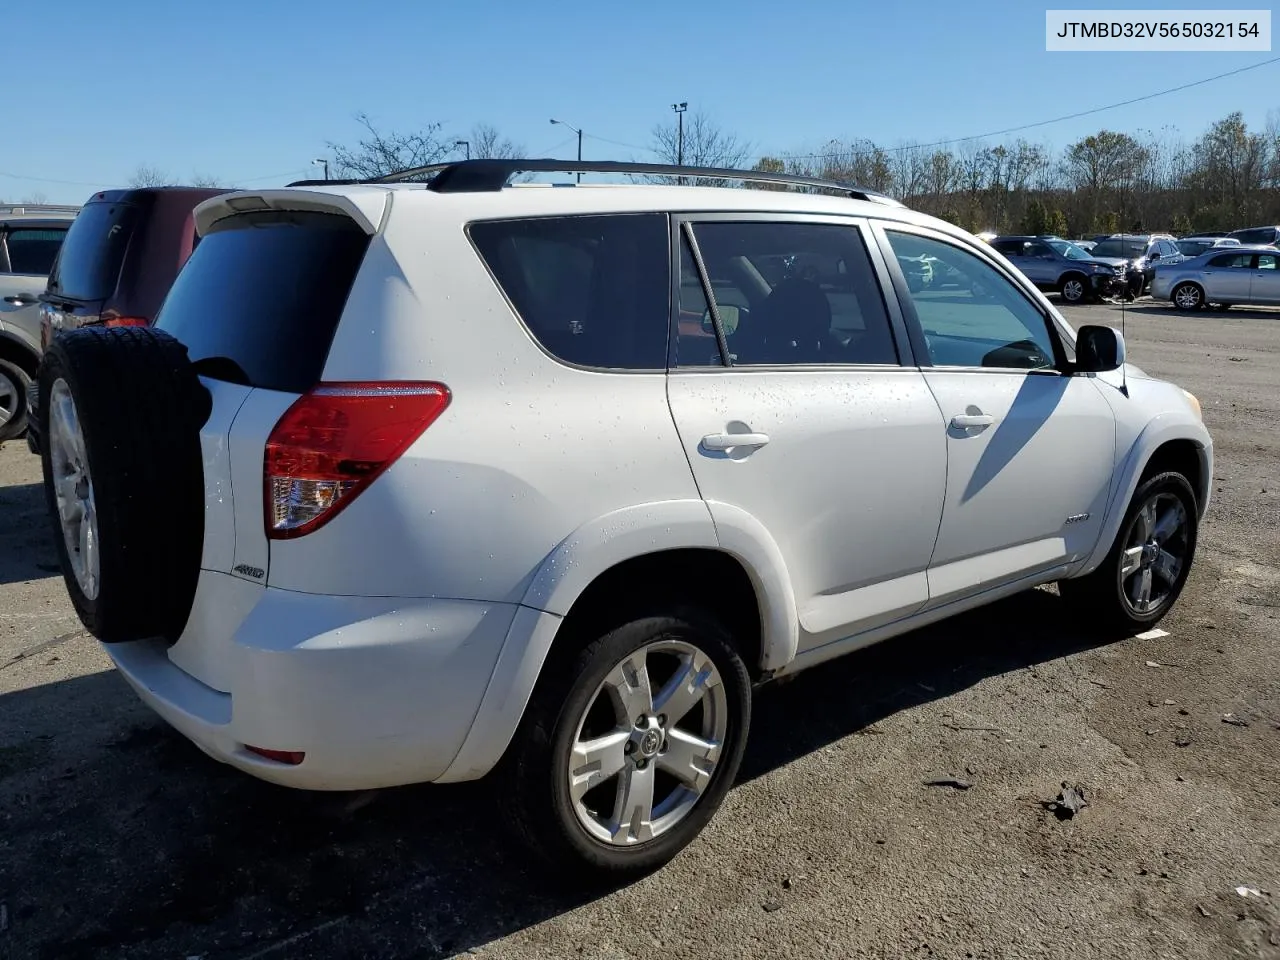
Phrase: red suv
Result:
[119,259]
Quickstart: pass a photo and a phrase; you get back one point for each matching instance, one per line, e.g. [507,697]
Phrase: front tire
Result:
[1074,288]
[1148,565]
[13,400]
[627,750]
[1188,296]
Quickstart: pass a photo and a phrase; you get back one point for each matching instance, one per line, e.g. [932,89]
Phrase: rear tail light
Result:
[126,322]
[333,442]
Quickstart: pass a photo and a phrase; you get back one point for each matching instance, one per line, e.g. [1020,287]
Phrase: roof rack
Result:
[480,176]
[10,209]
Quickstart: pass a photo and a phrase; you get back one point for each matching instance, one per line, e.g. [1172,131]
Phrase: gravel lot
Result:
[119,839]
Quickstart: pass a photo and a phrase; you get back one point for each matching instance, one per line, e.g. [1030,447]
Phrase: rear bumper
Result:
[375,692]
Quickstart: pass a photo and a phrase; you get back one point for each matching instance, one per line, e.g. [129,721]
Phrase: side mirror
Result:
[1099,349]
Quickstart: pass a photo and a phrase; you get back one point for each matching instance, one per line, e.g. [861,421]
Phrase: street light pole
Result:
[321,160]
[579,133]
[680,108]
[464,143]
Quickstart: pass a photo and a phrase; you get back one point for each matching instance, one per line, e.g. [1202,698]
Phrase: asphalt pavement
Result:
[118,839]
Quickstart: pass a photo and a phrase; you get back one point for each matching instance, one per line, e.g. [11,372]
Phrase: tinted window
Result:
[1011,248]
[1125,249]
[593,291]
[88,265]
[696,344]
[1193,248]
[261,296]
[1262,235]
[1232,260]
[33,251]
[791,293]
[980,319]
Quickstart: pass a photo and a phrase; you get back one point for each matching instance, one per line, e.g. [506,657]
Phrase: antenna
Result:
[1124,376]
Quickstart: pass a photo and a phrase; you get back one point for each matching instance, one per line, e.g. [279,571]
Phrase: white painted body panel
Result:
[1027,492]
[401,641]
[848,449]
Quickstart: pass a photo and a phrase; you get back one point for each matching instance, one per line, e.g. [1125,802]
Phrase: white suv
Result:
[419,481]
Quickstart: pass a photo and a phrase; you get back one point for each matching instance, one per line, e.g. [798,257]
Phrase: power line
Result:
[562,143]
[1045,123]
[67,183]
[619,143]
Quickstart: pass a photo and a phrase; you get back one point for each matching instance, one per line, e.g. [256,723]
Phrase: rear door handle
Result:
[727,441]
[964,421]
[21,299]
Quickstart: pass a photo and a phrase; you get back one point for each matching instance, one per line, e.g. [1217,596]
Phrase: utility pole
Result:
[680,108]
[579,133]
[464,143]
[325,163]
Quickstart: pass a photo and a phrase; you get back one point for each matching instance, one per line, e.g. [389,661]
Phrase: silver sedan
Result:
[1222,275]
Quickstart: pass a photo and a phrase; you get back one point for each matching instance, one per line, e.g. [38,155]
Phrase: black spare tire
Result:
[120,415]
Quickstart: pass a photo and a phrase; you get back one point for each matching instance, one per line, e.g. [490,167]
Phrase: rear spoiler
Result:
[366,206]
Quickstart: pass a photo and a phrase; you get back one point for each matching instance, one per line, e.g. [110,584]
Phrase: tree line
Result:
[1102,183]
[1109,181]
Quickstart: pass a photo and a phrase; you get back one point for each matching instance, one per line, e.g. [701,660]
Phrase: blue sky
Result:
[251,92]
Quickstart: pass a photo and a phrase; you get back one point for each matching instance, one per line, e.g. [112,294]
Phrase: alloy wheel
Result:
[73,488]
[648,743]
[1155,554]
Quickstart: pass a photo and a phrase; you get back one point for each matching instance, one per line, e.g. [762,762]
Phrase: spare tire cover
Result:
[120,415]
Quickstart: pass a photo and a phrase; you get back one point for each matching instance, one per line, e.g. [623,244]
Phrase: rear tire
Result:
[120,412]
[586,823]
[1155,545]
[13,400]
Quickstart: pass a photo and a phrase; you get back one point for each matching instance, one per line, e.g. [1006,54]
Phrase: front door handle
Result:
[966,421]
[21,299]
[727,441]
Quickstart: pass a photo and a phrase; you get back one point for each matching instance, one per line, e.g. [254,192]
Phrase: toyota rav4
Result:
[426,481]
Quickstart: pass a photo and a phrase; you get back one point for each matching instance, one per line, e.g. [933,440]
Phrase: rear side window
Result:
[593,290]
[88,266]
[32,251]
[260,298]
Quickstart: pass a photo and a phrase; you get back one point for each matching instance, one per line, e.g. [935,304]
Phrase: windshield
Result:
[1128,249]
[1070,250]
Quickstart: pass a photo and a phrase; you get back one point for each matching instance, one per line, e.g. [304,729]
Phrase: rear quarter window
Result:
[594,291]
[33,250]
[260,298]
[88,264]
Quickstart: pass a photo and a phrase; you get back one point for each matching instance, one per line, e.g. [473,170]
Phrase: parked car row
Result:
[30,237]
[107,263]
[1225,276]
[1127,265]
[436,481]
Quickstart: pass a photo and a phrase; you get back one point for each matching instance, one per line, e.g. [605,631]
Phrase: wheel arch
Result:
[583,586]
[1167,443]
[18,353]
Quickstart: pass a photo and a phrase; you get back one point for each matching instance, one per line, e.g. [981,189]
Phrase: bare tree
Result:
[487,143]
[205,180]
[706,144]
[380,152]
[148,176]
[35,198]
